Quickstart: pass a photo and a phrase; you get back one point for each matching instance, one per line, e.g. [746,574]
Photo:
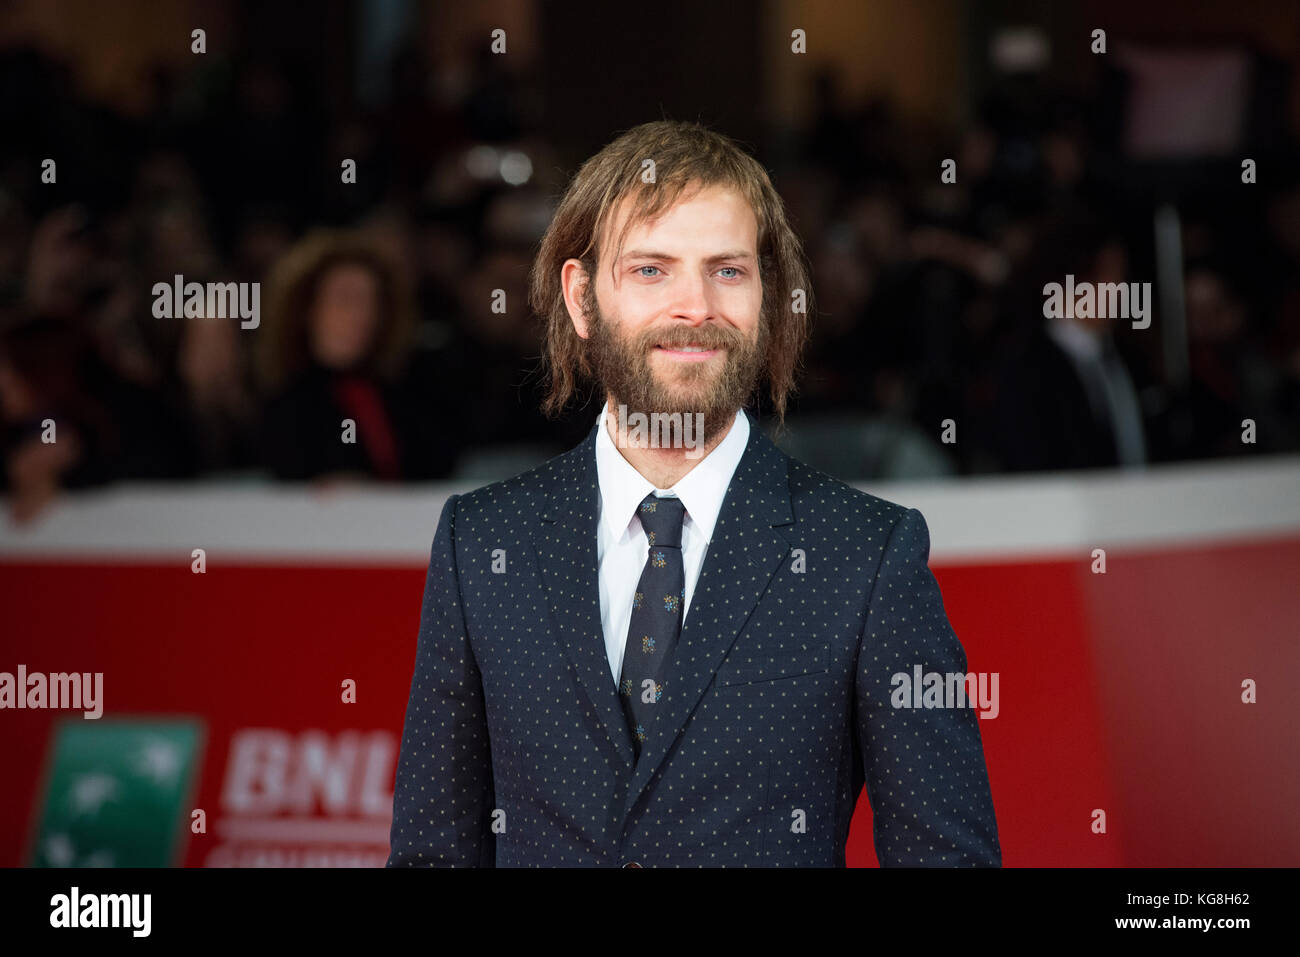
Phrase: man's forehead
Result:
[618,220]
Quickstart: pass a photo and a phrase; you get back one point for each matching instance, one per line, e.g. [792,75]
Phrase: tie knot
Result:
[662,520]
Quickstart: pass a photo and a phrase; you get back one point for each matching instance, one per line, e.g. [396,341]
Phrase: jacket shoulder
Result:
[825,501]
[521,492]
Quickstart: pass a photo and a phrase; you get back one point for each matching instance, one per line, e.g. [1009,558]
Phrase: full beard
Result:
[624,368]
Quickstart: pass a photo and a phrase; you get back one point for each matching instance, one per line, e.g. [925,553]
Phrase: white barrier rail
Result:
[969,518]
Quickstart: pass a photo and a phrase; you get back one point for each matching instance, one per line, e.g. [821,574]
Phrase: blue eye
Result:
[733,269]
[639,268]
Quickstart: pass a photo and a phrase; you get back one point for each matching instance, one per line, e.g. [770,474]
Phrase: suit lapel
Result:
[565,542]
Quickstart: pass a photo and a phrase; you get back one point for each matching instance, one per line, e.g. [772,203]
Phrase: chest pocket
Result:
[749,666]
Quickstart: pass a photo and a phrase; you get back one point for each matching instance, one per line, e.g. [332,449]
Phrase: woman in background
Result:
[344,398]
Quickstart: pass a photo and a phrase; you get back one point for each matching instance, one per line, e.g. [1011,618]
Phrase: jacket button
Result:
[631,864]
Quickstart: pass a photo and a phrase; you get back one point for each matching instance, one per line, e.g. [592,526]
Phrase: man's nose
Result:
[691,299]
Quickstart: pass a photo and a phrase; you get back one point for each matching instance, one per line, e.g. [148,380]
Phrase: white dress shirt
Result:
[621,542]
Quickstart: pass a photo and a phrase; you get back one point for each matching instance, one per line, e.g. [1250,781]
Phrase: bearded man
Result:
[674,644]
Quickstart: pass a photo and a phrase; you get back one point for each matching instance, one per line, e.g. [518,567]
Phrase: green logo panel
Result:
[117,793]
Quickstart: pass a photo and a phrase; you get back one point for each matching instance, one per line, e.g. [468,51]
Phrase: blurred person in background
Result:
[81,402]
[488,336]
[1066,398]
[1230,380]
[55,386]
[337,346]
[219,396]
[1285,329]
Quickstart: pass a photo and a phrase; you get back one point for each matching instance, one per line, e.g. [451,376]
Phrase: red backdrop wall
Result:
[1119,692]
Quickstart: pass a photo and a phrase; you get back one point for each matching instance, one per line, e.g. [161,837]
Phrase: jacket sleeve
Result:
[924,767]
[443,796]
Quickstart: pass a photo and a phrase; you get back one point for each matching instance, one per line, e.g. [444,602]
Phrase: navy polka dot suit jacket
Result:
[776,710]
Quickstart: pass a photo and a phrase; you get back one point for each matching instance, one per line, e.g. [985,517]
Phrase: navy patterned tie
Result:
[656,615]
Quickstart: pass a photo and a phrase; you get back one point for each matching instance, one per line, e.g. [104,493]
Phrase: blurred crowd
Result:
[930,354]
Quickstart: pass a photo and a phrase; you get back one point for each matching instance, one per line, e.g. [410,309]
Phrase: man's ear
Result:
[573,281]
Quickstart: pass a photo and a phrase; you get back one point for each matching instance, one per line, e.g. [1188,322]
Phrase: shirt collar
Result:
[702,489]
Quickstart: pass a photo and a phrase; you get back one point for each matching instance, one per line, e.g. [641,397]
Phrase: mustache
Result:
[708,338]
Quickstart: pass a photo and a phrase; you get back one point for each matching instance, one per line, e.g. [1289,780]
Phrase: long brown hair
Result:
[291,297]
[686,155]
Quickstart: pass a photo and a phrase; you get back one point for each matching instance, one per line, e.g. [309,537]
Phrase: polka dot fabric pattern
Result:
[777,702]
